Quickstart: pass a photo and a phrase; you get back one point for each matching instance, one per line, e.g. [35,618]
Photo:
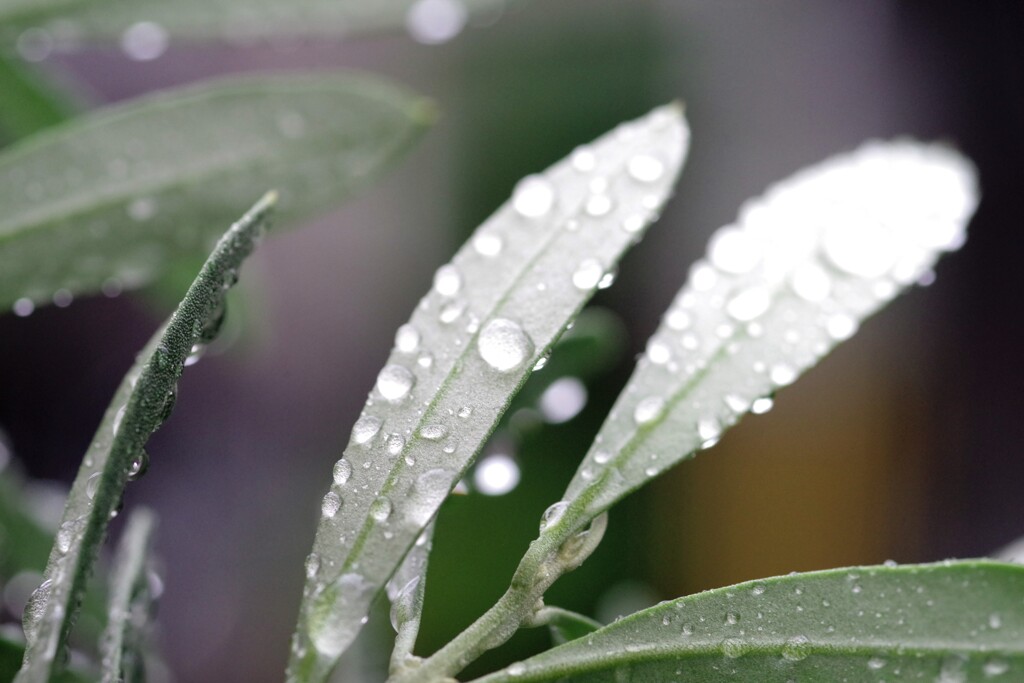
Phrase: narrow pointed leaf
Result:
[564,624]
[803,265]
[131,601]
[242,20]
[142,403]
[955,621]
[471,343]
[125,190]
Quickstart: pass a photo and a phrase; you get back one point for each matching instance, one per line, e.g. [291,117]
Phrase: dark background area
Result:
[904,444]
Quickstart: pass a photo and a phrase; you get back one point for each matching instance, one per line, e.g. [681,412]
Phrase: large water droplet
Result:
[487,244]
[394,382]
[811,282]
[380,509]
[863,248]
[366,428]
[734,251]
[407,339]
[429,489]
[331,504]
[342,472]
[645,168]
[138,466]
[35,608]
[553,514]
[533,197]
[504,345]
[749,304]
[447,280]
[648,410]
[92,484]
[433,432]
[796,648]
[588,274]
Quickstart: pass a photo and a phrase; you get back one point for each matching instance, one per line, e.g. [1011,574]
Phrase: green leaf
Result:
[954,621]
[117,454]
[564,624]
[803,265]
[28,102]
[494,311]
[233,20]
[24,543]
[131,601]
[121,192]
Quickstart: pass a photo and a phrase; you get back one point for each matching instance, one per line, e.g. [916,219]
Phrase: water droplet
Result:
[380,509]
[465,411]
[645,168]
[35,608]
[796,648]
[864,248]
[487,244]
[395,444]
[433,432]
[658,352]
[709,429]
[782,375]
[810,282]
[428,491]
[504,345]
[407,339]
[758,589]
[602,457]
[516,669]
[92,484]
[366,428]
[447,280]
[678,319]
[435,21]
[734,251]
[876,663]
[995,621]
[762,405]
[995,667]
[840,326]
[607,280]
[65,534]
[331,504]
[138,466]
[703,277]
[648,410]
[588,274]
[312,565]
[598,205]
[342,472]
[451,311]
[553,514]
[733,648]
[142,209]
[583,160]
[144,41]
[732,618]
[496,475]
[533,197]
[394,382]
[749,304]
[62,298]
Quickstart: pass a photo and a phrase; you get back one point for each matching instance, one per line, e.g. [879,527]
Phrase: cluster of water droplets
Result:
[795,275]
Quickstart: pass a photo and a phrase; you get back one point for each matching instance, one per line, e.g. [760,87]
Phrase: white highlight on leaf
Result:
[793,276]
[435,21]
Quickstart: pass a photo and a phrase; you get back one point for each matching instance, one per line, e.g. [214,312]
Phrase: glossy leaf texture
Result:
[111,198]
[493,312]
[134,589]
[954,621]
[238,20]
[117,455]
[794,276]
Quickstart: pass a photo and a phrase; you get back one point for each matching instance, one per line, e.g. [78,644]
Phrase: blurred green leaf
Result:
[131,602]
[29,103]
[238,20]
[24,543]
[117,454]
[497,308]
[955,621]
[123,191]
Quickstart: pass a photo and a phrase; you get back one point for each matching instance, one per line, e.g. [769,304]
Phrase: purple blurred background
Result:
[904,444]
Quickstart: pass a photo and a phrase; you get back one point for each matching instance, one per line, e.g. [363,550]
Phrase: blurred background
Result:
[903,444]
